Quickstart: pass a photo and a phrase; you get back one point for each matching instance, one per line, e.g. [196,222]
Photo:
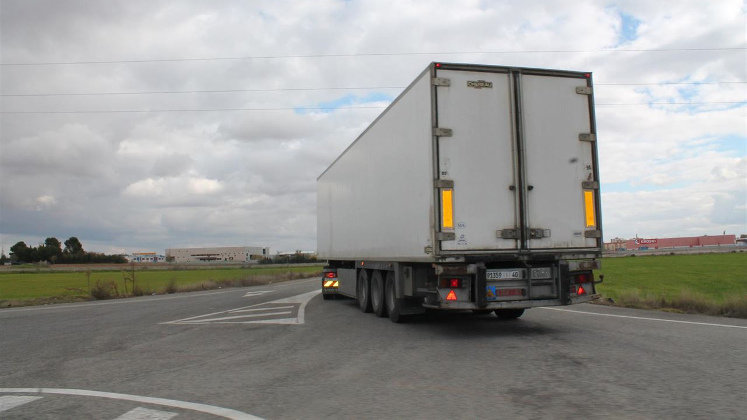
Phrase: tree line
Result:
[52,252]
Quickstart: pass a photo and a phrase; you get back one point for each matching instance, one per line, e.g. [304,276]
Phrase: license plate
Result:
[503,274]
[496,293]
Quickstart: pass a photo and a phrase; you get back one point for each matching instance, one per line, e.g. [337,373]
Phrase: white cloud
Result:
[134,180]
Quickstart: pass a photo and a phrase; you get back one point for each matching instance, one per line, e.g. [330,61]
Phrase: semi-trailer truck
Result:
[477,188]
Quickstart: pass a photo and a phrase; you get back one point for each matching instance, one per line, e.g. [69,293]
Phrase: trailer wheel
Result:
[363,291]
[509,313]
[393,304]
[377,294]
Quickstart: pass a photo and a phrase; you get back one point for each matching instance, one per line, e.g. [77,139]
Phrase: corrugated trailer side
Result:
[379,192]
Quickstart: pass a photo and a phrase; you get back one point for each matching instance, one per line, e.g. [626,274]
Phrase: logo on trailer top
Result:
[479,84]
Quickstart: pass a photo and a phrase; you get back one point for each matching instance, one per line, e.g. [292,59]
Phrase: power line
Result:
[313,108]
[169,92]
[200,91]
[279,57]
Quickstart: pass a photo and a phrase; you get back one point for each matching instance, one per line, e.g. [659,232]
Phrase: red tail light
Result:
[583,278]
[455,283]
[330,275]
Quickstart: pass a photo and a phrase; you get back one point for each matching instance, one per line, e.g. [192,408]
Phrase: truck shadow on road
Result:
[464,324]
[469,325]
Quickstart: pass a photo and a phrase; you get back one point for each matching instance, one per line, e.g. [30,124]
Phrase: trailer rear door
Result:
[558,159]
[479,158]
[516,161]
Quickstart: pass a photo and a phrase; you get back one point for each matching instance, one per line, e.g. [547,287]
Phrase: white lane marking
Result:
[299,300]
[260,309]
[647,319]
[304,300]
[203,408]
[257,293]
[141,413]
[12,401]
[225,318]
[142,299]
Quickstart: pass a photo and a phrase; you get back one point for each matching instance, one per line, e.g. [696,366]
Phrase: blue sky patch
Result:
[629,28]
[734,144]
[344,101]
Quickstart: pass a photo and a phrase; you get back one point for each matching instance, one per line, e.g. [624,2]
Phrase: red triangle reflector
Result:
[451,296]
[581,290]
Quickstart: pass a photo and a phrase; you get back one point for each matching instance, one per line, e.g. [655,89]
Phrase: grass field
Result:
[714,284]
[17,289]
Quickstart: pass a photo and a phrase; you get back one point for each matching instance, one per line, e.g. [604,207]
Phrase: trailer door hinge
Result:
[583,90]
[590,185]
[507,233]
[538,233]
[593,234]
[587,137]
[441,81]
[445,236]
[442,132]
[443,183]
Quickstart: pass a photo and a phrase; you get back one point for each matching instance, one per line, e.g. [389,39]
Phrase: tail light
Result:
[330,275]
[452,283]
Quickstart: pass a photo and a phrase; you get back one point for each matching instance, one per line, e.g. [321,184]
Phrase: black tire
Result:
[378,304]
[393,304]
[509,313]
[363,291]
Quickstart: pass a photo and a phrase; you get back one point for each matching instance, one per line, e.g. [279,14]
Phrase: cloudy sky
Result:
[138,125]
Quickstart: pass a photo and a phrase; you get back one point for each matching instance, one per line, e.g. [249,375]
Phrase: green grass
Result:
[714,284]
[25,288]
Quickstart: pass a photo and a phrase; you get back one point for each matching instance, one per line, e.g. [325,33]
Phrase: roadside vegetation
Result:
[712,284]
[51,252]
[50,286]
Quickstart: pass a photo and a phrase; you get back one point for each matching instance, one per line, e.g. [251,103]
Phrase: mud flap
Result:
[565,283]
[480,287]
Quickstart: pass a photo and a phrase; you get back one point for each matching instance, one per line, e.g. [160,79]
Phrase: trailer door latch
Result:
[441,81]
[507,233]
[442,132]
[538,233]
[445,236]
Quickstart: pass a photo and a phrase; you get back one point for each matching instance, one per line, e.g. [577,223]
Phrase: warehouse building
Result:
[618,244]
[227,254]
[146,257]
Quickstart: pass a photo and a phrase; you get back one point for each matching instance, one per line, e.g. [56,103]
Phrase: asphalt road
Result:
[280,352]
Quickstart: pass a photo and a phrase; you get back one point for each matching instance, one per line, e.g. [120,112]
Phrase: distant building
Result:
[228,254]
[146,257]
[618,244]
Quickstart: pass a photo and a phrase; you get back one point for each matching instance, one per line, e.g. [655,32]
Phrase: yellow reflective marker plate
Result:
[589,206]
[447,208]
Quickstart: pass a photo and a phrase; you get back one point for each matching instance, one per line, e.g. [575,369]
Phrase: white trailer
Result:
[477,188]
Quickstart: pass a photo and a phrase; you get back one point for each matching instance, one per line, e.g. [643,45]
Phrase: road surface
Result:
[280,351]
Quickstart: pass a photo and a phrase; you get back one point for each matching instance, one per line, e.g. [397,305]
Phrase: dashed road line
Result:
[141,413]
[184,405]
[646,318]
[256,292]
[8,402]
[282,311]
